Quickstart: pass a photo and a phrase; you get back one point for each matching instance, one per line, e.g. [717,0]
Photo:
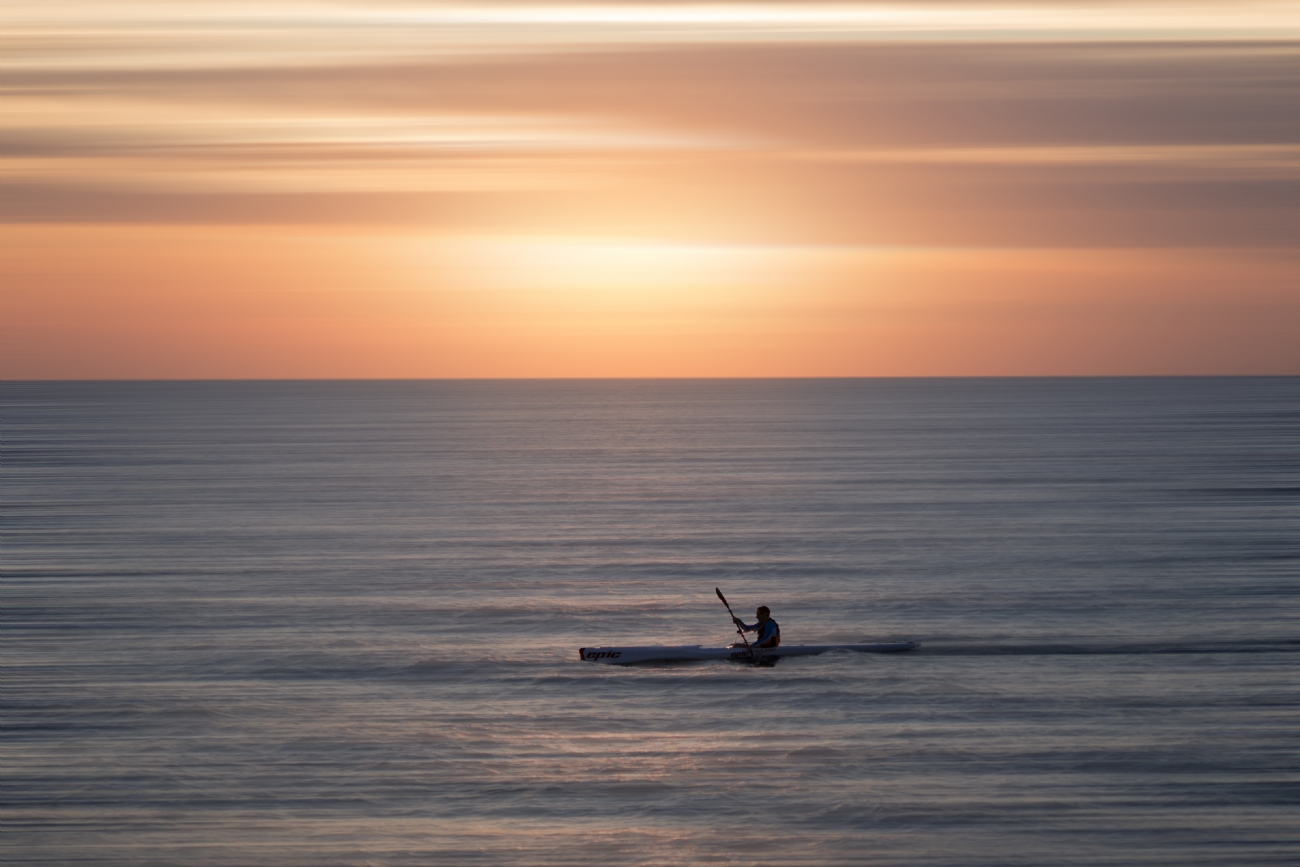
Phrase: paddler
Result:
[769,631]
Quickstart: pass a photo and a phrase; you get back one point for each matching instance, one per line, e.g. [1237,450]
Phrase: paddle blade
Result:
[718,590]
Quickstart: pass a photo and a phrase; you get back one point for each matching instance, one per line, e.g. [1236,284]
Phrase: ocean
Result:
[337,623]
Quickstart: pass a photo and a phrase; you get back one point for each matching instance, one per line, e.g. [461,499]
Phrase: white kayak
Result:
[739,653]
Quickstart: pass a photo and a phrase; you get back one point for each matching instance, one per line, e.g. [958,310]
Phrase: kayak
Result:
[738,653]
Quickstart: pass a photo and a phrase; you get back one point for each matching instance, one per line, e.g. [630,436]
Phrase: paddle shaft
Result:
[752,651]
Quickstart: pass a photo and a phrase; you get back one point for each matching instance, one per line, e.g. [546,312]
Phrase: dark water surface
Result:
[325,623]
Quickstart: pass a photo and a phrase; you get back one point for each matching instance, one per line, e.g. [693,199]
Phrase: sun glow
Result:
[603,268]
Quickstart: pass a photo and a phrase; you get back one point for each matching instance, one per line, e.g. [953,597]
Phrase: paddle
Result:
[754,652]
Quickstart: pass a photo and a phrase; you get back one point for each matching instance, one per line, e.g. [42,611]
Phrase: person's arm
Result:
[744,627]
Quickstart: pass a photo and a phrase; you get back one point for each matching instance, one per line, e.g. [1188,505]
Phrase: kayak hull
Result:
[660,653]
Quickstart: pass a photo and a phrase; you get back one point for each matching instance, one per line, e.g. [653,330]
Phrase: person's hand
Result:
[737,621]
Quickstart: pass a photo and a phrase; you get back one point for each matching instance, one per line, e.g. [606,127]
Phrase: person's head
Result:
[763,613]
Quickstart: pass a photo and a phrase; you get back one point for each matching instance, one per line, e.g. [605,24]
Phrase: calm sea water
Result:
[326,623]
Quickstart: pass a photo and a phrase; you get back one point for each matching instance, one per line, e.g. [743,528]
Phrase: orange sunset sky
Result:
[195,189]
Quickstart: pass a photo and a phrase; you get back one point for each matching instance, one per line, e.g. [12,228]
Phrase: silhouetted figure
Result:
[769,631]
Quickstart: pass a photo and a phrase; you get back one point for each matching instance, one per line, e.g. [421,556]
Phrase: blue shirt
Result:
[770,630]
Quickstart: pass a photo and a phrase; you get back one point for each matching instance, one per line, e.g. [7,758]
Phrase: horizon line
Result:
[7,381]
